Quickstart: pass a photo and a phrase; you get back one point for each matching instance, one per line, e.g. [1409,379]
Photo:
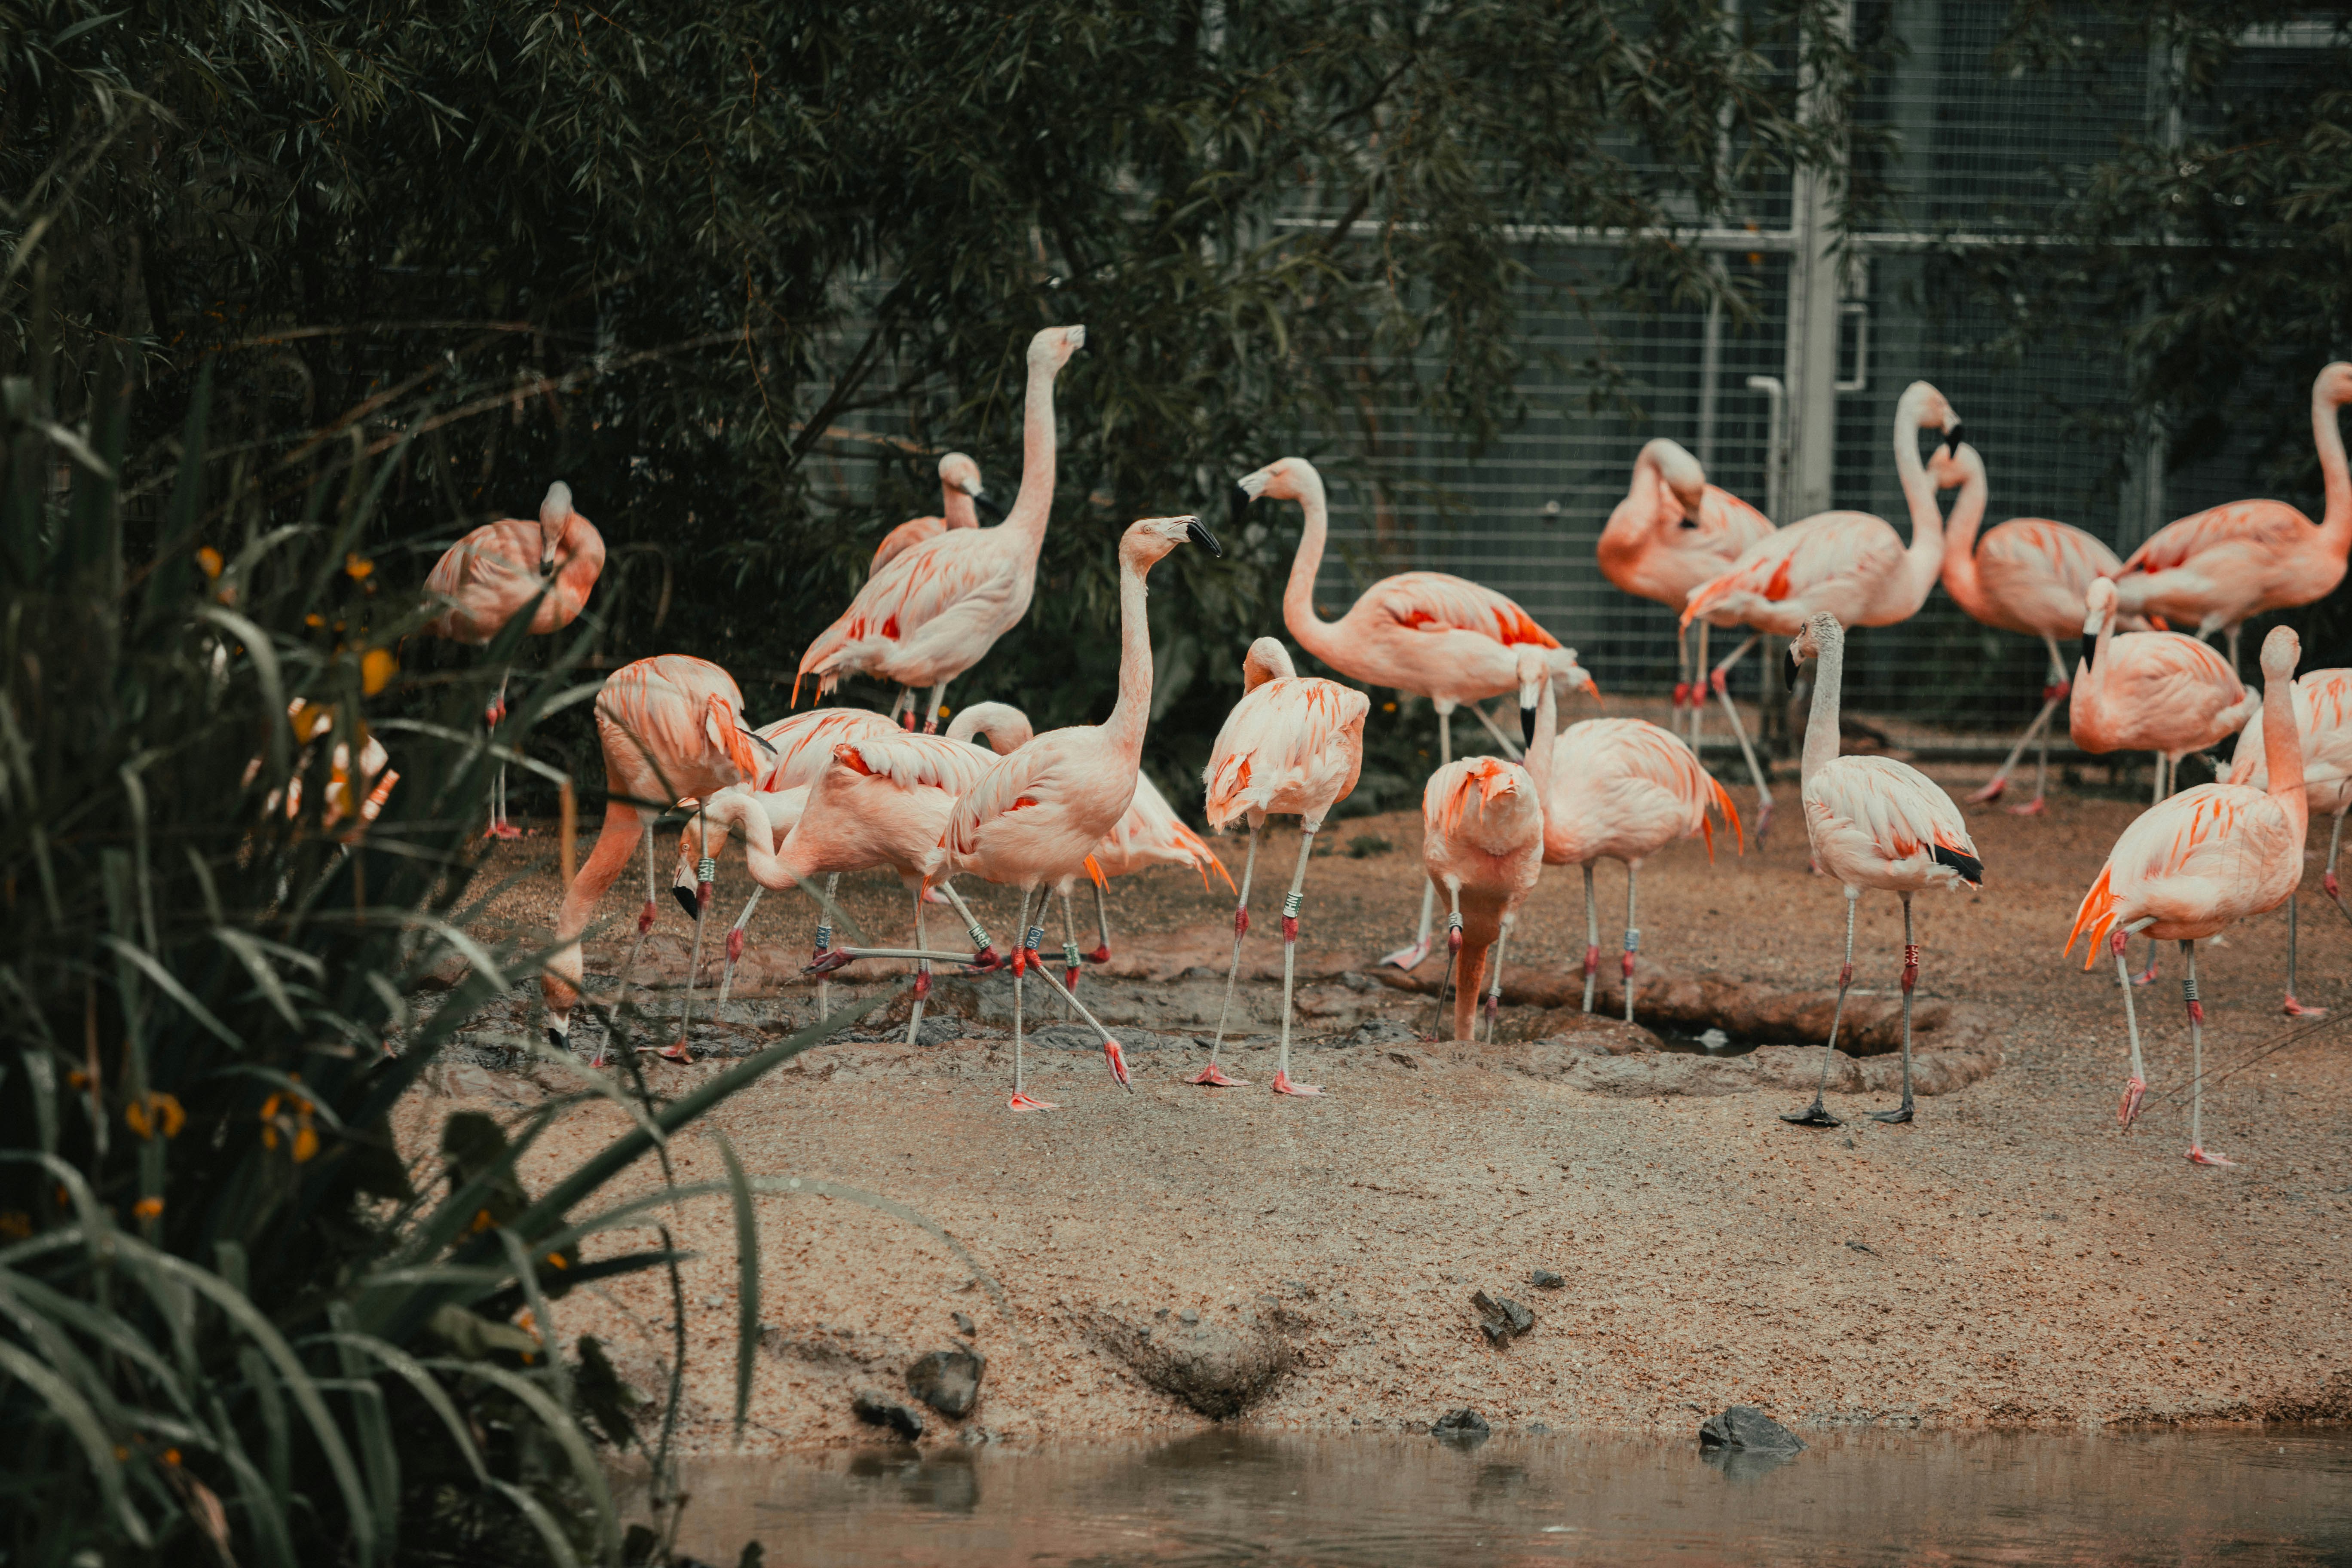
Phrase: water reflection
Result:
[2176,1499]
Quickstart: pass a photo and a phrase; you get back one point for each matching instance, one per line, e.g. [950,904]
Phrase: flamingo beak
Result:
[984,502]
[1198,532]
[763,743]
[1238,506]
[1527,722]
[1952,438]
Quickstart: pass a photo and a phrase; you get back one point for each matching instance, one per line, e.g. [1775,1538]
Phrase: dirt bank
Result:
[2009,1257]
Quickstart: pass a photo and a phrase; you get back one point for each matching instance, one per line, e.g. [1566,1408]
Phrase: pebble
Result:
[948,1381]
[1545,1279]
[876,1409]
[1463,1423]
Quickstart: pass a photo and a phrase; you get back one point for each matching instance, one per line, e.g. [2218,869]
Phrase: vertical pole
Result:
[1810,360]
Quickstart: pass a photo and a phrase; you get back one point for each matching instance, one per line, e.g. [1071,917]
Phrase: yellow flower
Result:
[156,1112]
[376,670]
[314,620]
[210,559]
[289,1114]
[148,1208]
[1388,706]
[357,566]
[306,1141]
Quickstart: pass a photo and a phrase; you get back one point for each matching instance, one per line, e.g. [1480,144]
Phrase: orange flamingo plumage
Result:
[2323,713]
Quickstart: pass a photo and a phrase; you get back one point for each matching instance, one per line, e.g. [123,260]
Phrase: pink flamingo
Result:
[2217,568]
[2028,575]
[1426,633]
[1482,834]
[1672,533]
[2150,691]
[1873,822]
[960,500]
[670,728]
[1036,815]
[1150,834]
[1624,789]
[796,749]
[1292,745]
[2323,713]
[1848,563]
[486,578]
[937,609]
[2201,860]
[377,776]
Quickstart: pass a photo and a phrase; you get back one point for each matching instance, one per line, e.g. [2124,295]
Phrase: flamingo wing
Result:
[904,537]
[914,762]
[2196,861]
[1730,525]
[2323,711]
[963,582]
[2266,525]
[1045,792]
[1435,601]
[1290,745]
[1876,812]
[485,578]
[803,743]
[1811,561]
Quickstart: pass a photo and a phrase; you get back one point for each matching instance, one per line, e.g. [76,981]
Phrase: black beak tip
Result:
[1198,532]
[1238,506]
[1952,438]
[763,743]
[988,505]
[1526,724]
[686,901]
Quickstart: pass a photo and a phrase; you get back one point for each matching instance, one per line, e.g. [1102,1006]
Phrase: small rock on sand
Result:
[1463,1425]
[1501,1319]
[1218,1371]
[1745,1427]
[1545,1279]
[948,1381]
[878,1409]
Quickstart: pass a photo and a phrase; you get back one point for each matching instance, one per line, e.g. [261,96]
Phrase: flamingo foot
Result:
[2150,974]
[1814,1115]
[1100,955]
[2034,807]
[598,1059]
[735,945]
[646,918]
[1896,1117]
[826,963]
[2294,1009]
[2134,1090]
[675,1051]
[1990,792]
[2198,1156]
[1022,1101]
[1116,1059]
[933,896]
[1213,1077]
[1409,957]
[504,830]
[1281,1085]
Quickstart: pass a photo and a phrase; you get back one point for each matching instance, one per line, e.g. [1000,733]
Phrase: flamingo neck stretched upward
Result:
[1132,712]
[2282,749]
[1821,723]
[1924,561]
[2328,435]
[1035,501]
[1961,579]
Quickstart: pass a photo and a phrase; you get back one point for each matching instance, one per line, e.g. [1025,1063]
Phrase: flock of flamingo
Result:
[833,790]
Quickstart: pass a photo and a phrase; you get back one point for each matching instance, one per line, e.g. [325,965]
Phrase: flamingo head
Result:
[1052,348]
[1266,660]
[1286,479]
[2098,605]
[1952,466]
[1533,671]
[2334,387]
[1821,634]
[1007,728]
[1152,538]
[555,515]
[2281,650]
[1922,406]
[1678,471]
[1568,676]
[958,472]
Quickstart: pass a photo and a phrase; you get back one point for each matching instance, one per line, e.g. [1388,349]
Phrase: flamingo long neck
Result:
[2283,751]
[2336,527]
[1036,500]
[1133,710]
[1821,724]
[1960,578]
[1924,559]
[1314,634]
[957,508]
[2093,672]
[774,869]
[1540,748]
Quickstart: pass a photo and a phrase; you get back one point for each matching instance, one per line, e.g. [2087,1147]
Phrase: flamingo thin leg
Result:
[1592,938]
[735,945]
[824,941]
[2197,1152]
[1633,941]
[2135,1086]
[1113,1057]
[1817,1114]
[1410,957]
[1101,954]
[1510,747]
[1021,1099]
[1213,1076]
[1282,1084]
[705,870]
[922,974]
[1494,1007]
[1453,962]
[2294,1008]
[1910,979]
[931,712]
[1698,693]
[1069,947]
[645,924]
[1720,679]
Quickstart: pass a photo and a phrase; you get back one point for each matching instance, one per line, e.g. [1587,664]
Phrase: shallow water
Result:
[2176,1497]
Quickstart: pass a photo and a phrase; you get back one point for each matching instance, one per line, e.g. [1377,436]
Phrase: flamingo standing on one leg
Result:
[1036,816]
[1873,822]
[962,499]
[2201,860]
[1482,839]
[1624,789]
[936,610]
[486,578]
[2215,569]
[669,727]
[1293,744]
[2323,713]
[1434,636]
[2028,574]
[1849,564]
[1672,533]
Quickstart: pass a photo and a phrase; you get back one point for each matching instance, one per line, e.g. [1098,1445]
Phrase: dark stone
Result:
[1503,1319]
[1463,1425]
[948,1381]
[1215,1369]
[1545,1279]
[1382,1031]
[965,1325]
[878,1409]
[1862,1246]
[1745,1427]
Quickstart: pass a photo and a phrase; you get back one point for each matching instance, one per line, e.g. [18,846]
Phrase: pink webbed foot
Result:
[1100,955]
[1281,1085]
[2034,807]
[2134,1090]
[825,962]
[1022,1101]
[2294,1009]
[675,1051]
[1409,957]
[933,896]
[1990,792]
[2149,975]
[735,944]
[1213,1077]
[2198,1156]
[2327,885]
[1116,1059]
[646,918]
[504,830]
[598,1059]
[1070,972]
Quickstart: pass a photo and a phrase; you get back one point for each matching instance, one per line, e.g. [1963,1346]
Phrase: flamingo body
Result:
[1657,545]
[1877,823]
[1292,746]
[2323,715]
[2154,691]
[487,577]
[959,489]
[1624,789]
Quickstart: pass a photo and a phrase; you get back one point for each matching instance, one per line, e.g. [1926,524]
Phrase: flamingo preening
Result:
[1672,531]
[670,728]
[1849,564]
[2150,691]
[1624,789]
[2322,714]
[1293,744]
[960,502]
[1482,839]
[2199,861]
[2028,575]
[2214,569]
[486,578]
[1036,816]
[1872,822]
[936,610]
[1426,633]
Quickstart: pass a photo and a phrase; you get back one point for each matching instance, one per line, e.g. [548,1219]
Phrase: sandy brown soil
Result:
[2009,1257]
